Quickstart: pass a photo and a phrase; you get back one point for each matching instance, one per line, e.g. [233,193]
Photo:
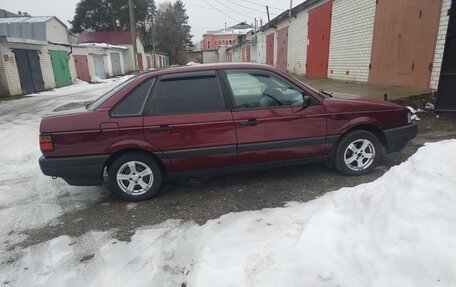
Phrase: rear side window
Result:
[133,104]
[189,95]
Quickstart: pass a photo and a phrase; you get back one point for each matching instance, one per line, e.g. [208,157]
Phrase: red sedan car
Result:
[214,118]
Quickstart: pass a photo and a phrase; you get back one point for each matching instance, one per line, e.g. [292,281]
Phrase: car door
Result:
[274,120]
[189,122]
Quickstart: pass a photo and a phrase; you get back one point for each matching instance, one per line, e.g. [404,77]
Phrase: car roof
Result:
[205,67]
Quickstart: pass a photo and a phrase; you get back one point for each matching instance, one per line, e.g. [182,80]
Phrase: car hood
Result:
[354,103]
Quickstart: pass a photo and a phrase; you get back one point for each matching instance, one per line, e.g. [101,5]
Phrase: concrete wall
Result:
[297,43]
[352,30]
[210,57]
[222,54]
[128,56]
[237,54]
[56,32]
[441,36]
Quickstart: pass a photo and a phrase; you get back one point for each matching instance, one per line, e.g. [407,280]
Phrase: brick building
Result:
[212,40]
[34,55]
[381,42]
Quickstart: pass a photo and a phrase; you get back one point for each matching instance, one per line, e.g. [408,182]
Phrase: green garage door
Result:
[61,68]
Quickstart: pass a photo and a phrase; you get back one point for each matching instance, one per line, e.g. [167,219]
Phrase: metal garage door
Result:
[149,61]
[29,69]
[140,62]
[82,67]
[405,34]
[282,48]
[319,30]
[59,60]
[446,95]
[99,66]
[270,49]
[115,62]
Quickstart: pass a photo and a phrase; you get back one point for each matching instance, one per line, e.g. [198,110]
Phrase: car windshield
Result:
[98,102]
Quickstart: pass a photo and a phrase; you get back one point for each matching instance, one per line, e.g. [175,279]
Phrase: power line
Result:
[253,9]
[263,5]
[221,11]
[201,6]
[248,16]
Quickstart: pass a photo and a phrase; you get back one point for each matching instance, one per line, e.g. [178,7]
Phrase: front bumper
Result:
[78,170]
[397,138]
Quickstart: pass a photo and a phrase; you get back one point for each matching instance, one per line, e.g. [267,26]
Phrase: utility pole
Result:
[133,33]
[153,35]
[267,11]
[291,7]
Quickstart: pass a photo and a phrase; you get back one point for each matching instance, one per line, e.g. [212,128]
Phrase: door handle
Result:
[161,129]
[250,122]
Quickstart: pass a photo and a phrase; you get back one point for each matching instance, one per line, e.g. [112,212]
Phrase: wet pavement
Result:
[363,89]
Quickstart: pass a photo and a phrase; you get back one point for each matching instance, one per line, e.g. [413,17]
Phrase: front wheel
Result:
[135,176]
[358,153]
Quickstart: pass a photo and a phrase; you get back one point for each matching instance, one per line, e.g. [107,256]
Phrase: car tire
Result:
[358,153]
[135,176]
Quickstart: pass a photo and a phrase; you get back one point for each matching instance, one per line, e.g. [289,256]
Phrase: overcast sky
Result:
[204,14]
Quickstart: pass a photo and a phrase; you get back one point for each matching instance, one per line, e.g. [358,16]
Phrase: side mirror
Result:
[306,101]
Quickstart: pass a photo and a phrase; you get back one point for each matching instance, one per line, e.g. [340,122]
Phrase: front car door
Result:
[272,123]
[189,122]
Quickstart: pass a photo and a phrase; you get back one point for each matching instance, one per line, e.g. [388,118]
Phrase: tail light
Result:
[46,143]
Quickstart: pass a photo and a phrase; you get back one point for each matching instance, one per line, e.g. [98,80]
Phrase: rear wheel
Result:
[358,153]
[135,176]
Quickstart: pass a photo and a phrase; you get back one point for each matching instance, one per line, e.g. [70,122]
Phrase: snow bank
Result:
[396,231]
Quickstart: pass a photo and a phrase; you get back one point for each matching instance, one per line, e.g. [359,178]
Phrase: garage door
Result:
[115,62]
[59,60]
[82,67]
[99,66]
[29,69]
[140,62]
[270,49]
[282,48]
[405,34]
[319,30]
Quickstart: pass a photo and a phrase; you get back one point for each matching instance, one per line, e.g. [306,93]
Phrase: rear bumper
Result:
[397,138]
[79,170]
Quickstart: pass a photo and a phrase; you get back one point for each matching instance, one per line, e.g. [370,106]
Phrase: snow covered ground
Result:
[28,199]
[396,231]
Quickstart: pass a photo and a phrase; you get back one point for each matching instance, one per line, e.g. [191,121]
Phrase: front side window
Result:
[261,90]
[133,103]
[189,95]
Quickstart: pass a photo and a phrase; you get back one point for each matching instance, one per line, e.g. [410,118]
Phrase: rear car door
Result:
[188,121]
[271,120]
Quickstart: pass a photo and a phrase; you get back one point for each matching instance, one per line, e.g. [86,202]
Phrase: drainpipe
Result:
[69,41]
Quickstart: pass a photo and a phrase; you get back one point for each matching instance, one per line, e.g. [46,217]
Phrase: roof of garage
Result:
[113,38]
[25,29]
